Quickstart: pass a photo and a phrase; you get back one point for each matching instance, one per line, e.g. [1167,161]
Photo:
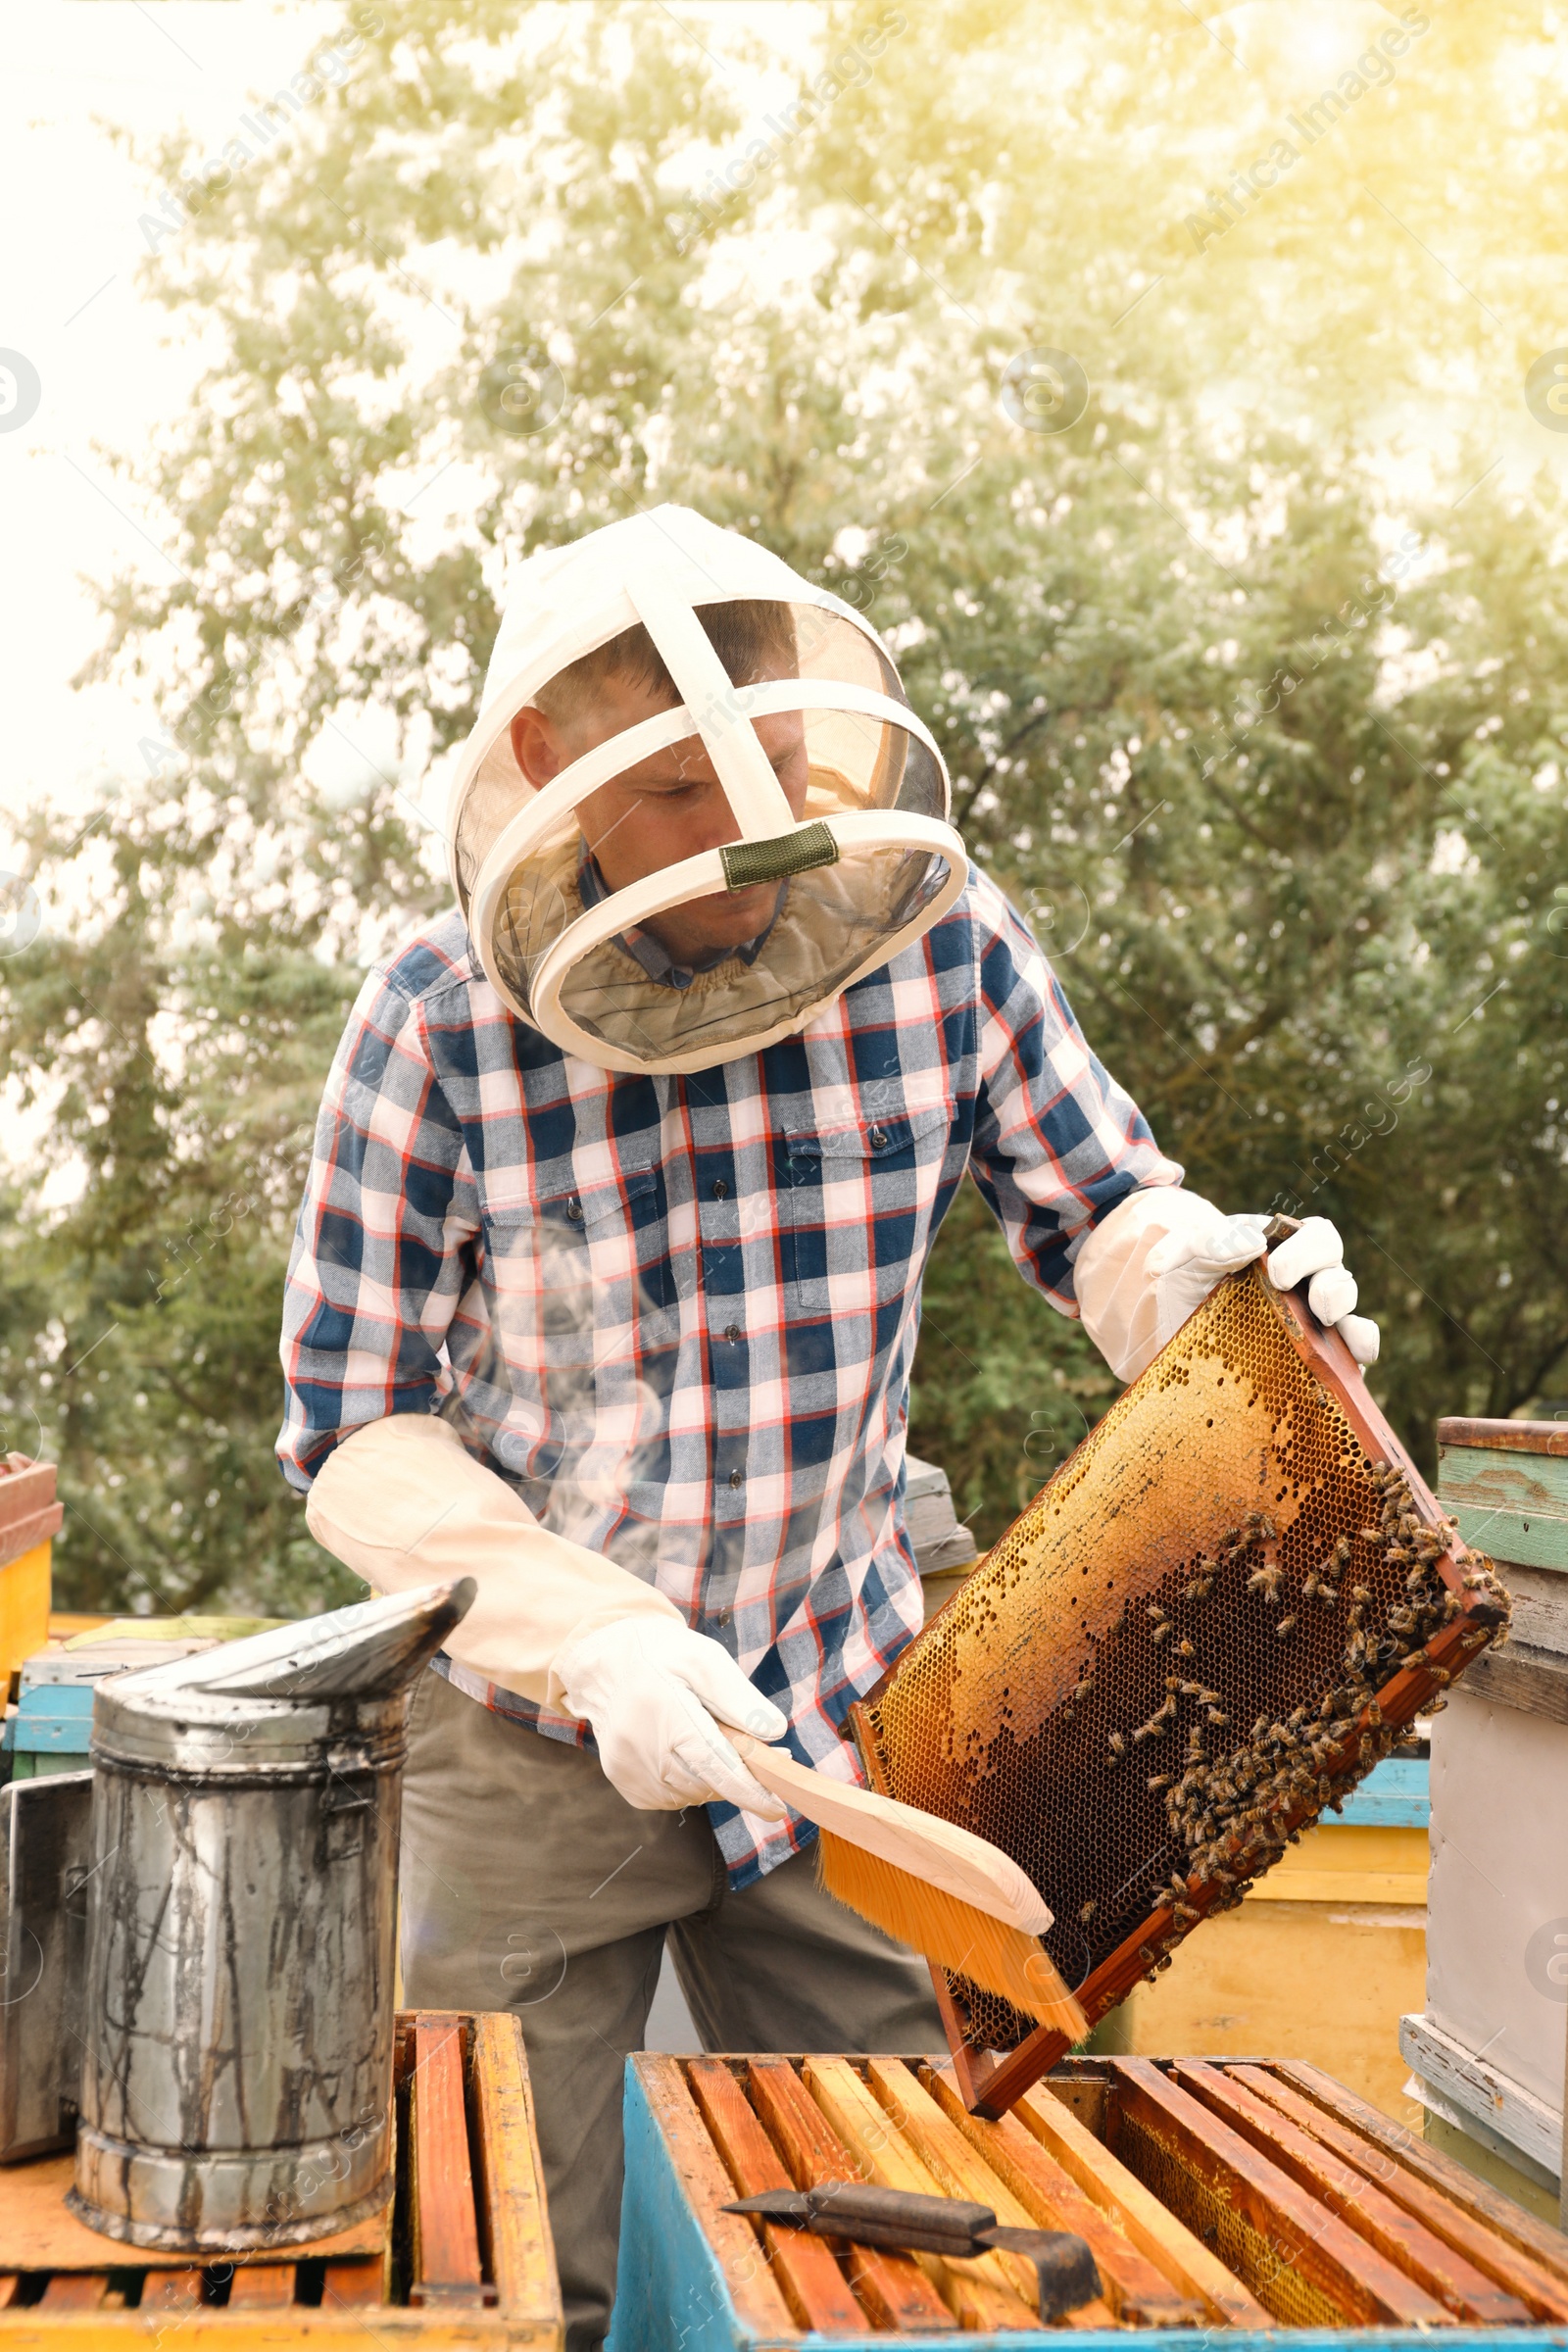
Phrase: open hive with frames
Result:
[1206,1628]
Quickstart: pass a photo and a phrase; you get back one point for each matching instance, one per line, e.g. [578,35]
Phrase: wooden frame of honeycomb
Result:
[1208,1626]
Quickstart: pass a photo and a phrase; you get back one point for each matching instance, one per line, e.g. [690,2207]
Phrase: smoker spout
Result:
[372,1650]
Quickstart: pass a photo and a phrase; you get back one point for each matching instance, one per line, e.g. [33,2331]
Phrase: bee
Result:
[1185,1649]
[1214,1716]
[1161,1630]
[1311,1585]
[1286,1625]
[1266,1579]
[1088,1911]
[1159,1779]
[1360,1595]
[1156,1610]
[1118,1745]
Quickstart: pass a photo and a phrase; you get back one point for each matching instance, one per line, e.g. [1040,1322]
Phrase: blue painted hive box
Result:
[1240,2196]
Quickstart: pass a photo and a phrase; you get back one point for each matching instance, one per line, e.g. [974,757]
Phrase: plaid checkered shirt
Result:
[678,1314]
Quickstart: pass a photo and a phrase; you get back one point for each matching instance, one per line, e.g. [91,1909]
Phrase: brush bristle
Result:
[952,1932]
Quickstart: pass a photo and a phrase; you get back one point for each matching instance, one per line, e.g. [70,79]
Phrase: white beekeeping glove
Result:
[403,1502]
[1154,1261]
[652,1693]
[1316,1251]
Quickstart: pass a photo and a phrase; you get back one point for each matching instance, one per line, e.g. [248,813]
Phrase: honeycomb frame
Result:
[1208,1625]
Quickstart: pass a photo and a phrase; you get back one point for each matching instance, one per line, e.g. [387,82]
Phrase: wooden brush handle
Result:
[935,1851]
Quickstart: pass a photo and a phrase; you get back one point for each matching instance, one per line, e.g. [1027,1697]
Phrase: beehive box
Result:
[30,1520]
[463,2256]
[1486,2043]
[1229,2196]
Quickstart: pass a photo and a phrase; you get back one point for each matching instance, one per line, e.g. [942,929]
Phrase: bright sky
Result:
[106,364]
[110,363]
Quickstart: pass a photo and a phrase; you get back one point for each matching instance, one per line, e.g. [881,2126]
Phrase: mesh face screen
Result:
[1162,1650]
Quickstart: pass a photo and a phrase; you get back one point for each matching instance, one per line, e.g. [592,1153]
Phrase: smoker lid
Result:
[280,1696]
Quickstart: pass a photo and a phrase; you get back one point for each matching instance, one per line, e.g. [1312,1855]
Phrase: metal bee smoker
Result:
[237,2075]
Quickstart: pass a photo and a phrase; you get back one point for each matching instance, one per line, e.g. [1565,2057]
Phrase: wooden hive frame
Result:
[991,2083]
[1225,2196]
[467,2259]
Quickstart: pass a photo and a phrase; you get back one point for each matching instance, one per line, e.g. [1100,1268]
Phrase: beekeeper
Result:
[607,1285]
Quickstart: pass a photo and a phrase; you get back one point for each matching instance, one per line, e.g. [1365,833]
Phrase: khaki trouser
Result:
[529,1884]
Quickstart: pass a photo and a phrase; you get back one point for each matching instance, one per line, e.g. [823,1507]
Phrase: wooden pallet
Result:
[1240,2196]
[463,2257]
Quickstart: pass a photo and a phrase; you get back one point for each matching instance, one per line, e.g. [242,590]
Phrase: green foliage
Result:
[1252,699]
[138,1325]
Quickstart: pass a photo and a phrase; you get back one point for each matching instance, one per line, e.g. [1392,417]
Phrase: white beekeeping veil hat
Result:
[714,812]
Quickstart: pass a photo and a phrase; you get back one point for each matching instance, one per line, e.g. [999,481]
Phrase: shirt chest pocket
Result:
[858,1201]
[565,1266]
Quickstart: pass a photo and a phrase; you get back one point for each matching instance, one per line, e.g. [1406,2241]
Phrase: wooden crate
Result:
[465,2253]
[1225,2195]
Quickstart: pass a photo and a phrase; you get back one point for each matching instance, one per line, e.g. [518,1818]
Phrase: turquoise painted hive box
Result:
[1233,2196]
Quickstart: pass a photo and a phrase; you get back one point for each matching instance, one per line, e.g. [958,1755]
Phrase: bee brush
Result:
[963,1902]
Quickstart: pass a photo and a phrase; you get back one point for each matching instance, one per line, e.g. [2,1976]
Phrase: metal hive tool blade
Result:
[1179,1605]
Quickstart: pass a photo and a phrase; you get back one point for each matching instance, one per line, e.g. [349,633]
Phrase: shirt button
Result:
[879,1136]
[574,1210]
[737,1477]
[732,1332]
[720,1188]
[722,1616]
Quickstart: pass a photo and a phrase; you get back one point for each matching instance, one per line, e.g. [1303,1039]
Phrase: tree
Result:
[1271,753]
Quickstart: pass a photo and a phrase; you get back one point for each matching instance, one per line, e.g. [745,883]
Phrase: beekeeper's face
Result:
[669,807]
